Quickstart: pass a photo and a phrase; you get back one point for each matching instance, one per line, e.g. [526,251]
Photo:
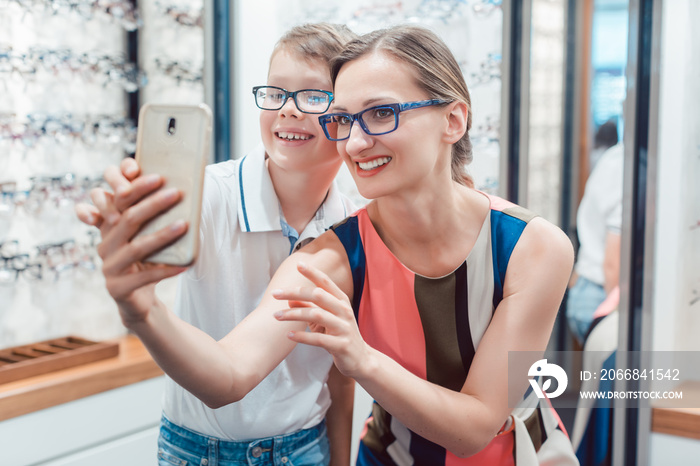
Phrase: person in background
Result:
[256,212]
[420,297]
[605,137]
[591,307]
[598,224]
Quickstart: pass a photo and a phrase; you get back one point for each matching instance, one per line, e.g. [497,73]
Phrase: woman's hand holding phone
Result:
[141,230]
[119,216]
[120,179]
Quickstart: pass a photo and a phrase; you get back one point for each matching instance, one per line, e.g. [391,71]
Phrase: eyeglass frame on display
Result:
[396,108]
[180,72]
[14,244]
[90,130]
[293,96]
[50,258]
[34,270]
[59,190]
[37,271]
[189,17]
[106,69]
[122,11]
[18,260]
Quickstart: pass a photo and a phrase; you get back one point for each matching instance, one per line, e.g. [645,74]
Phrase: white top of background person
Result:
[599,221]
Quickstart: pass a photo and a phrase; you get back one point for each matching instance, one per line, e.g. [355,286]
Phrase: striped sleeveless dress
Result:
[432,327]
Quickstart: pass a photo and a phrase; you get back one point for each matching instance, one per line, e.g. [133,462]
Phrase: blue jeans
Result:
[582,301]
[183,447]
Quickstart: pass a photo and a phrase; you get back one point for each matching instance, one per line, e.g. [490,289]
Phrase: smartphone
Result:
[173,141]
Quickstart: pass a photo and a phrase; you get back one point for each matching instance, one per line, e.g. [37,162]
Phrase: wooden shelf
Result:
[133,364]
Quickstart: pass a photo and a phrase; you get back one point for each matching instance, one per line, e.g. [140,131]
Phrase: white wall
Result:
[670,449]
[676,319]
[677,273]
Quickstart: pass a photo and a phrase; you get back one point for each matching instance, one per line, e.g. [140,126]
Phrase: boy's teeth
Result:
[291,136]
[374,163]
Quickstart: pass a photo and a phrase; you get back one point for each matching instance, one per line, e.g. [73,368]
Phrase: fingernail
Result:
[151,179]
[113,218]
[279,314]
[302,265]
[91,219]
[123,190]
[177,226]
[170,194]
[276,292]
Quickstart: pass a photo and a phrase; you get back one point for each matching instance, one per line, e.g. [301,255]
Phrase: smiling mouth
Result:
[372,164]
[293,136]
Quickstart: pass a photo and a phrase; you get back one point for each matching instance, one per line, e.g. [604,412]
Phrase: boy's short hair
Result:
[315,41]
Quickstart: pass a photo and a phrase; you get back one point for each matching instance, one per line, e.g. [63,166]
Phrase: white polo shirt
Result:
[600,212]
[242,245]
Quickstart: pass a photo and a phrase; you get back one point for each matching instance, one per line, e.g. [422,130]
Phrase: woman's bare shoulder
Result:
[543,250]
[543,240]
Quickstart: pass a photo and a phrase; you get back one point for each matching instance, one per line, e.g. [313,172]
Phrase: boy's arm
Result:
[219,373]
[339,416]
[216,372]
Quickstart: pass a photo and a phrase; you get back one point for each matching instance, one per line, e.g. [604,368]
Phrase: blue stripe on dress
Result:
[505,232]
[349,235]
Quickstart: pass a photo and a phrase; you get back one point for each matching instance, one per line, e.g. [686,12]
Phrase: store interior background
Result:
[539,87]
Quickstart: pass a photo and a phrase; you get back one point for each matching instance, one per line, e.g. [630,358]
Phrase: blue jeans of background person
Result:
[183,447]
[582,301]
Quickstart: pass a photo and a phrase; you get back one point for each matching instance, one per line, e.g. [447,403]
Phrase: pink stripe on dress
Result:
[388,316]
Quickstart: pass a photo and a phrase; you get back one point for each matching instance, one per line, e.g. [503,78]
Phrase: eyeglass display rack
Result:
[72,76]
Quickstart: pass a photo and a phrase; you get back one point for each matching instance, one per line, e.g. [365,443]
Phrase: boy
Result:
[256,211]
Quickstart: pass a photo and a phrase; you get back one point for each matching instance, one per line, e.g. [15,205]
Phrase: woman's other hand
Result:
[330,318]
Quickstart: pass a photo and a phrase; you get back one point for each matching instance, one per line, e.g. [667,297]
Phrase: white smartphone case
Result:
[173,141]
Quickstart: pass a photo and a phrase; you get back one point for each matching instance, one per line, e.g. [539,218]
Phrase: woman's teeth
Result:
[374,163]
[293,136]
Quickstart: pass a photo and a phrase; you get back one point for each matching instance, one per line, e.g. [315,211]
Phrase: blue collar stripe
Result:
[240,186]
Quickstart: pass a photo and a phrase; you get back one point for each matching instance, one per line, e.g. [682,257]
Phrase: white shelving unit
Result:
[116,427]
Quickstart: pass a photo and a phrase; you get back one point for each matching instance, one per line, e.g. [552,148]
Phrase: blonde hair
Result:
[437,69]
[315,41]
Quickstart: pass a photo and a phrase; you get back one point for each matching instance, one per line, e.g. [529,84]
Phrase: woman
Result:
[427,325]
[419,297]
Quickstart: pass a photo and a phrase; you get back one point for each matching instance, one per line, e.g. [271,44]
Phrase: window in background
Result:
[609,58]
